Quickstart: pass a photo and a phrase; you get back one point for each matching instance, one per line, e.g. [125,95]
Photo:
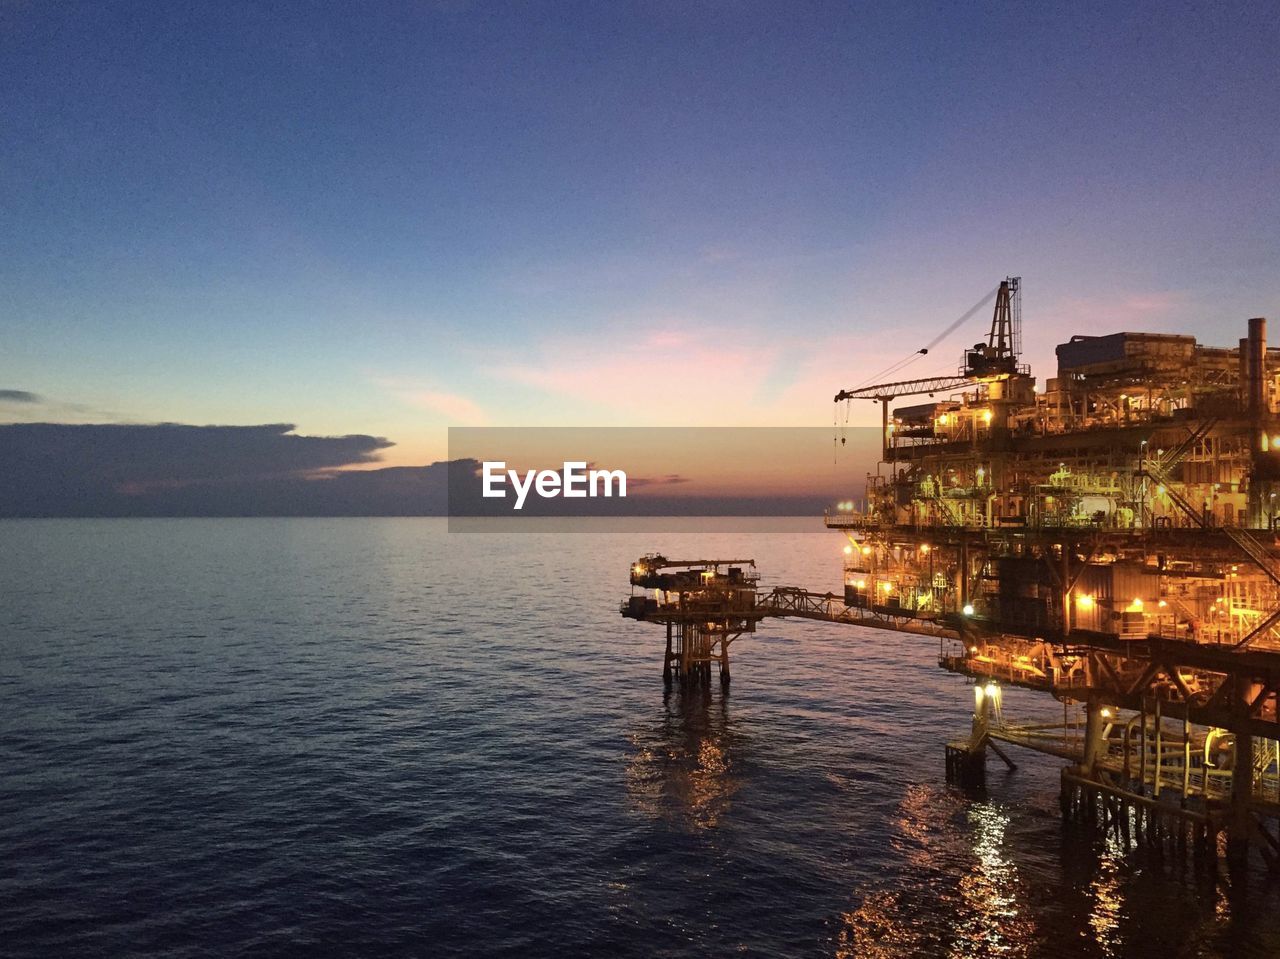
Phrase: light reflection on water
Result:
[966,876]
[1106,891]
[681,769]
[992,923]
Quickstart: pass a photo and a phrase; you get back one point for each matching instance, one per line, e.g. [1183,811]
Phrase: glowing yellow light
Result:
[968,609]
[974,650]
[924,547]
[1136,605]
[1106,714]
[1160,489]
[1275,441]
[887,587]
[860,584]
[942,420]
[848,550]
[1085,601]
[986,416]
[866,551]
[992,690]
[1162,604]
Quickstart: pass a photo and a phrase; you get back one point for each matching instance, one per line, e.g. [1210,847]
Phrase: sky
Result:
[385,219]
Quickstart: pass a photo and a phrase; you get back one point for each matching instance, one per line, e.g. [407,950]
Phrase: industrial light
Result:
[887,587]
[860,584]
[1085,601]
[924,547]
[1162,604]
[974,650]
[866,551]
[848,550]
[1136,605]
[1106,713]
[986,416]
[968,610]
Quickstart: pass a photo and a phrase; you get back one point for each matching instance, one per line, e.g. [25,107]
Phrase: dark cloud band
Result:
[52,469]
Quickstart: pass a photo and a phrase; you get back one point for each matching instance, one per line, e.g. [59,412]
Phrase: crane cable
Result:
[951,328]
[842,430]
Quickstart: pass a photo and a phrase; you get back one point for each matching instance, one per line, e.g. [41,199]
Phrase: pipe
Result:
[1257,365]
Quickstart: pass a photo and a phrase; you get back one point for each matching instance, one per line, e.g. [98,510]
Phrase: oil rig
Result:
[1109,540]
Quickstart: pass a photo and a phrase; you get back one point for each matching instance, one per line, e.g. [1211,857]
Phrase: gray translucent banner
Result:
[615,479]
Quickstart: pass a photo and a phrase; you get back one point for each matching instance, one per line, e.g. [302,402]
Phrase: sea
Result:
[374,737]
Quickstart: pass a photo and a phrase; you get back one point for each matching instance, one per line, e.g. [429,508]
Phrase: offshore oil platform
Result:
[1109,540]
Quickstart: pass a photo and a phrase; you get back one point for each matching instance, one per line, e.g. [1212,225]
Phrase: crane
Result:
[996,359]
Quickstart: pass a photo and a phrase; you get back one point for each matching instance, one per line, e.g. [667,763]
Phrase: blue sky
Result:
[388,218]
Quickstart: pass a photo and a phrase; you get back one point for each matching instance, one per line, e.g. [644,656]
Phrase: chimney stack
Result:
[1257,382]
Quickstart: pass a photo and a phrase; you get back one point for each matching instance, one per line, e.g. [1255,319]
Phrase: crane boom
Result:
[888,391]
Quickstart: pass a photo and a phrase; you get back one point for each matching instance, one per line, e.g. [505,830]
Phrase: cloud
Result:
[72,469]
[671,479]
[680,372]
[1112,314]
[23,406]
[456,408]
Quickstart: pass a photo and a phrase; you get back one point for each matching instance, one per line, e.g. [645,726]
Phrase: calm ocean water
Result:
[369,737]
